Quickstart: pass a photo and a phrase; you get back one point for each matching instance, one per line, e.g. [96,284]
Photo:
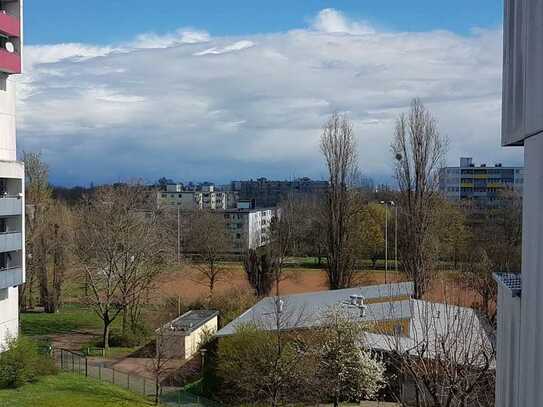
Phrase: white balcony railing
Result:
[11,277]
[11,241]
[10,205]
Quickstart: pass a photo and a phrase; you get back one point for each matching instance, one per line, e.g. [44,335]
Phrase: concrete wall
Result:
[508,349]
[9,314]
[193,341]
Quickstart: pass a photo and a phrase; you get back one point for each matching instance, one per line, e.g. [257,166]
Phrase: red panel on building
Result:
[9,25]
[10,62]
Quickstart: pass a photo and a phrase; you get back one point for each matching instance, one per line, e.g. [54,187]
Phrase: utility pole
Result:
[396,238]
[178,235]
[386,238]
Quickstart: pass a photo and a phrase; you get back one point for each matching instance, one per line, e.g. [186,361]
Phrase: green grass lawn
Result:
[70,318]
[67,390]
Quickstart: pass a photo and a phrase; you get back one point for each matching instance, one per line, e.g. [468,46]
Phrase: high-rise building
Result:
[12,250]
[519,359]
[481,184]
[204,197]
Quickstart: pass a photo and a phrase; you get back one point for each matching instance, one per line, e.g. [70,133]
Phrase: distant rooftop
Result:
[191,321]
[306,310]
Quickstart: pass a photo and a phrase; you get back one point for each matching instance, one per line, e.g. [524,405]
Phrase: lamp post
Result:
[391,203]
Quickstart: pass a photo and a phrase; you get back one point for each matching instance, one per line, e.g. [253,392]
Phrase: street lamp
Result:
[391,203]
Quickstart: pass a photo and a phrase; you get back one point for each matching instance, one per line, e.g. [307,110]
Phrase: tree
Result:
[338,147]
[450,229]
[48,237]
[477,274]
[447,359]
[262,364]
[160,364]
[344,370]
[371,235]
[418,150]
[210,241]
[120,250]
[258,269]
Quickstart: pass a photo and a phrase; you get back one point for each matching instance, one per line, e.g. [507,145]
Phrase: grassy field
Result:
[66,390]
[71,318]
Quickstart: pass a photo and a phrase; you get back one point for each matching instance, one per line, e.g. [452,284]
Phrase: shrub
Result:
[20,363]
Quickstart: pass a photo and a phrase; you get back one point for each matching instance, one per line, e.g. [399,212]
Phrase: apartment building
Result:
[481,184]
[12,250]
[519,358]
[269,193]
[249,227]
[206,197]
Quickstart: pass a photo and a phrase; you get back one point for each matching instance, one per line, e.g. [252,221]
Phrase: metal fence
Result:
[78,363]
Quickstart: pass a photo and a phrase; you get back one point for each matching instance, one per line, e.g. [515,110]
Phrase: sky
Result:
[216,91]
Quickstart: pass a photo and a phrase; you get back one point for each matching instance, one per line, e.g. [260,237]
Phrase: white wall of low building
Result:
[9,314]
[195,339]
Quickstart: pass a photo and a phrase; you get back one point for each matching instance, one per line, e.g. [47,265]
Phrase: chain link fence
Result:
[78,363]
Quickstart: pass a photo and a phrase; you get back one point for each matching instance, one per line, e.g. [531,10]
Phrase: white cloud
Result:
[236,46]
[182,36]
[254,107]
[330,20]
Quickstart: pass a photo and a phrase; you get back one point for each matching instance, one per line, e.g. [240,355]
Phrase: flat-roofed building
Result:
[481,184]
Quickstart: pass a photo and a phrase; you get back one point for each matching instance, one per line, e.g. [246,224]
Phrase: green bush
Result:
[21,363]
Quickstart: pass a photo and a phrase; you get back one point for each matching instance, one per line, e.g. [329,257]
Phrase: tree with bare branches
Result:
[419,150]
[210,241]
[120,251]
[338,147]
[447,360]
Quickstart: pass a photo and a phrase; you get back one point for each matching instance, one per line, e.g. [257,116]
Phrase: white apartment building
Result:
[205,198]
[12,250]
[249,228]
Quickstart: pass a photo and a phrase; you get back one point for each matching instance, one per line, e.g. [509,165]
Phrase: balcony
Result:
[9,25]
[11,277]
[11,205]
[10,62]
[11,241]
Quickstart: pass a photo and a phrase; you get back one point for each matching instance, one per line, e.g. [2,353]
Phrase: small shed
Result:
[181,337]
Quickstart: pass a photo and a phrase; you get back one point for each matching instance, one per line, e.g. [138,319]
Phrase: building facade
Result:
[12,250]
[519,360]
[269,193]
[249,228]
[481,184]
[204,198]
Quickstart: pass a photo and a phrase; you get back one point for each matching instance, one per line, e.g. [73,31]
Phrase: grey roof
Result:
[307,310]
[191,321]
[431,324]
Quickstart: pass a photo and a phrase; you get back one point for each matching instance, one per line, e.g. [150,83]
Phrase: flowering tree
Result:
[345,370]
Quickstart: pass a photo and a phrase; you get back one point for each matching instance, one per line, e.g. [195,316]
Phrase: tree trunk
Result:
[105,336]
[157,390]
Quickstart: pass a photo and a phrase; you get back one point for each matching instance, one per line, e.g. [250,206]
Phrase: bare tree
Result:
[210,241]
[338,147]
[445,360]
[418,150]
[161,364]
[477,275]
[119,249]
